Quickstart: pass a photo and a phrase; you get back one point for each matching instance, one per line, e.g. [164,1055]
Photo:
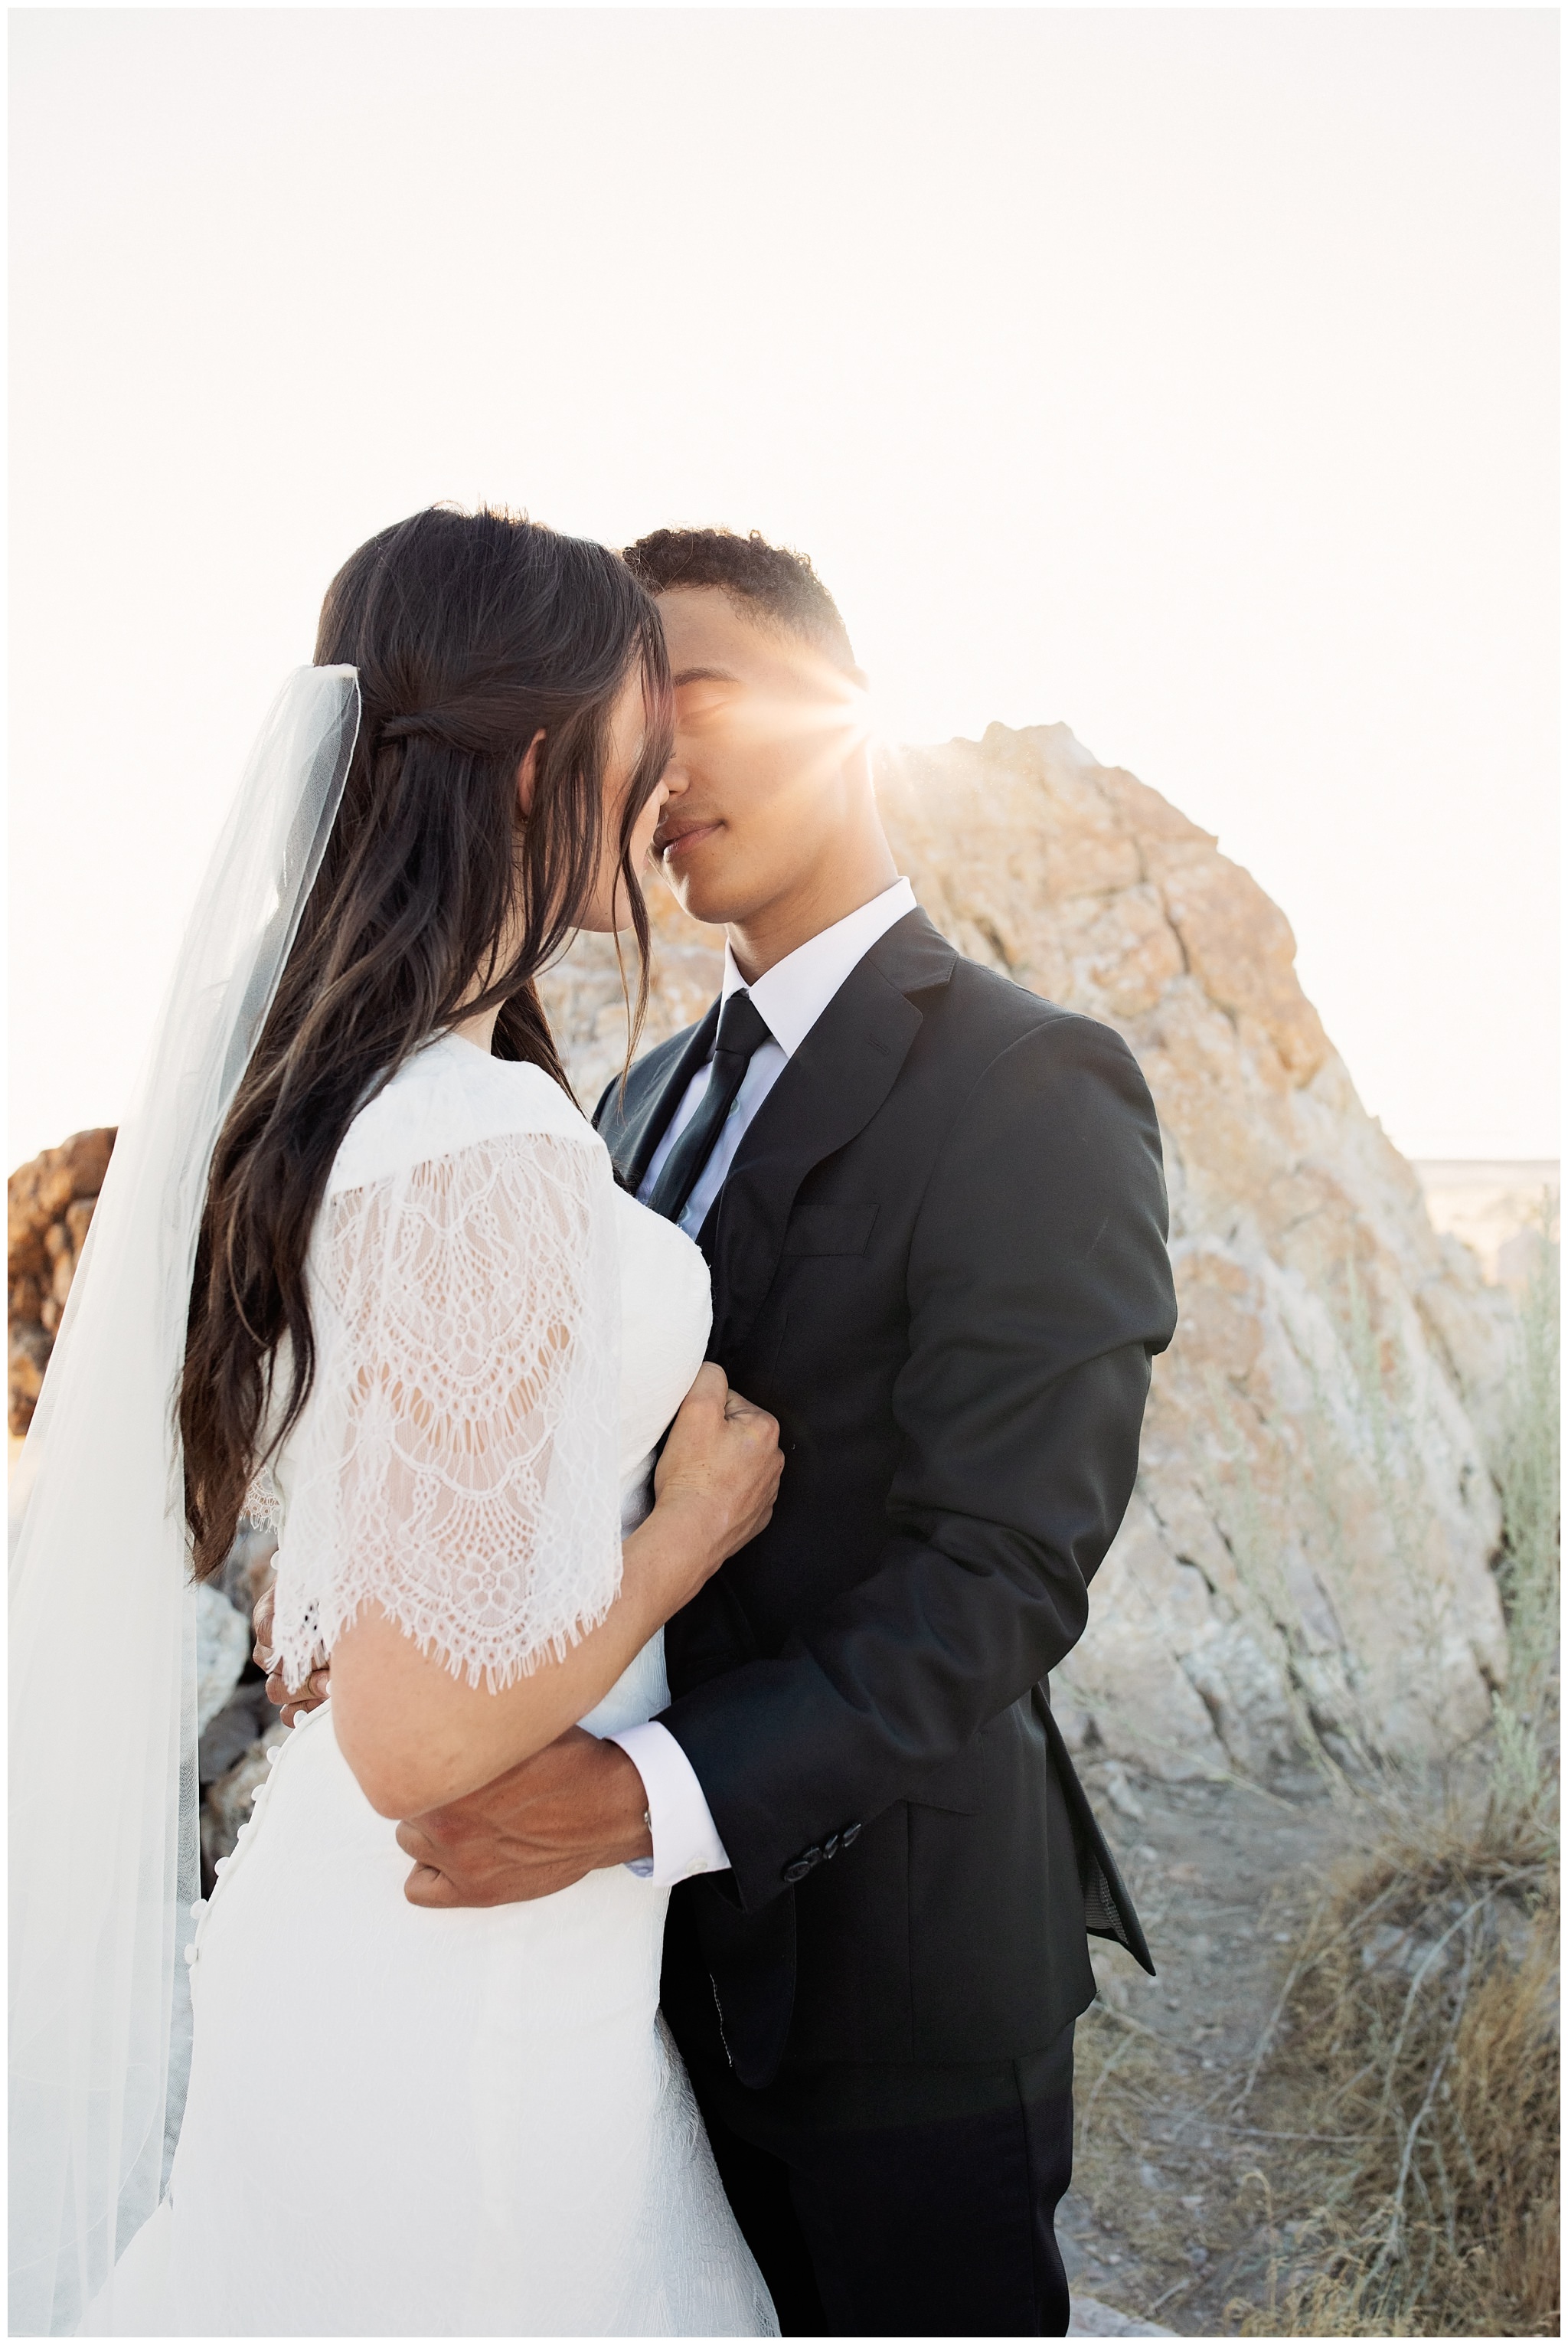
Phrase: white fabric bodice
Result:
[665,1314]
[502,1337]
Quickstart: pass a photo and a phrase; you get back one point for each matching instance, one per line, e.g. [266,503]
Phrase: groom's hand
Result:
[576,1806]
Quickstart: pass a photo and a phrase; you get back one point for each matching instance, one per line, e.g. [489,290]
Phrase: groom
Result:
[934,1208]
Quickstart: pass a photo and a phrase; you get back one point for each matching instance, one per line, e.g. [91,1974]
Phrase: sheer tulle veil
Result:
[103,1864]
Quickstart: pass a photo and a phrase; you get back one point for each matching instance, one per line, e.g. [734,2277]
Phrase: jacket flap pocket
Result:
[830,1229]
[956,1785]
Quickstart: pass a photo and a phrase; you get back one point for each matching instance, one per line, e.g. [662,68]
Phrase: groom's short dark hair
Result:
[771,578]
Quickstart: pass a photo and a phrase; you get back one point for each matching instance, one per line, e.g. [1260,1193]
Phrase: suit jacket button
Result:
[831,1844]
[797,1871]
[849,1835]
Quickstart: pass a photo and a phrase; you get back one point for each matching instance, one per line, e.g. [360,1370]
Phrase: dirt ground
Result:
[1169,2218]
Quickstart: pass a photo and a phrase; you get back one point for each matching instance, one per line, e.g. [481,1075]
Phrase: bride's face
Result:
[608,908]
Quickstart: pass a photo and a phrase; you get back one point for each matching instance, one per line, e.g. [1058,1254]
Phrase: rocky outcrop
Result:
[1308,1551]
[222,1649]
[237,1731]
[49,1205]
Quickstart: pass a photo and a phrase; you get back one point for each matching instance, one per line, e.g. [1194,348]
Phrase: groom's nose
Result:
[676,781]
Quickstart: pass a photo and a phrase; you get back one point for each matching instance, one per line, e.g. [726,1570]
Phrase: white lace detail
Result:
[263,1507]
[458,1458]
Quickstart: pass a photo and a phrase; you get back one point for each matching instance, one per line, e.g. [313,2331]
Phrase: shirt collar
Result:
[792,996]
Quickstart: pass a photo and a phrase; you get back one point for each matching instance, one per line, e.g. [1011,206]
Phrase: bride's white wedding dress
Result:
[405,2123]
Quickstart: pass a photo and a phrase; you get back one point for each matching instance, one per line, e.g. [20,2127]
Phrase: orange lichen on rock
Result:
[49,1207]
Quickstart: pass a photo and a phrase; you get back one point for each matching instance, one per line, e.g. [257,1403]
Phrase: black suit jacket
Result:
[939,1260]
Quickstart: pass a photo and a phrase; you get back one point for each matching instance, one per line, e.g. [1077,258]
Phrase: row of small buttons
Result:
[198,1910]
[809,1858]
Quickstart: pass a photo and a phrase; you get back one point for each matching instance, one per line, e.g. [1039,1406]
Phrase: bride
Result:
[426,1328]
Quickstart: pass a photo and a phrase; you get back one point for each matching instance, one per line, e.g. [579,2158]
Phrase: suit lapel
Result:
[829,1092]
[633,1133]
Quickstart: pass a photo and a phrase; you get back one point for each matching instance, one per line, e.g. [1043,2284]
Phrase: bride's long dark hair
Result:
[471,633]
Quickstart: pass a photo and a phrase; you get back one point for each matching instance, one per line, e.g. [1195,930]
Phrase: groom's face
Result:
[771,763]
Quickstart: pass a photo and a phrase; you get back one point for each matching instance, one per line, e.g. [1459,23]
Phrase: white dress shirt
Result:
[789,999]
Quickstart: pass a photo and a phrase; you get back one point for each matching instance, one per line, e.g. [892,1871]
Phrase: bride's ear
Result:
[527,774]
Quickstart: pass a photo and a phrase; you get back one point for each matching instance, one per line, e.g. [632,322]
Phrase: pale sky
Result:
[1184,376]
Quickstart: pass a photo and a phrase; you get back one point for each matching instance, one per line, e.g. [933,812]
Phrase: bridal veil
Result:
[104,1865]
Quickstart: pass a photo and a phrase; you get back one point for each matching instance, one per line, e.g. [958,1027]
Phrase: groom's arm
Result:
[1039,1286]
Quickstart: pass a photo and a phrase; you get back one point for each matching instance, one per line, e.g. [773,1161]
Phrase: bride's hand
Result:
[292,1703]
[717,1478]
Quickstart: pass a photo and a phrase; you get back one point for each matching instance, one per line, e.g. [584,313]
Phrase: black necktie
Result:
[741,1032]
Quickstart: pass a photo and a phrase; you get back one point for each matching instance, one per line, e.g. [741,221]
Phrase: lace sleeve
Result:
[457,1460]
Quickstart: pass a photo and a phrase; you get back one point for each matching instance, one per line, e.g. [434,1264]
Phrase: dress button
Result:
[849,1835]
[796,1871]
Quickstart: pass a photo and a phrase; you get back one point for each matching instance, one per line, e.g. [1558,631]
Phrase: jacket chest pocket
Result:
[830,1230]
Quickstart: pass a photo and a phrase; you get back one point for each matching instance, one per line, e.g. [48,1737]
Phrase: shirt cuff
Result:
[685,1837]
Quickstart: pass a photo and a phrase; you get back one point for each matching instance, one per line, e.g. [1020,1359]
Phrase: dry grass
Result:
[1420,2047]
[1129,2086]
[1419,2038]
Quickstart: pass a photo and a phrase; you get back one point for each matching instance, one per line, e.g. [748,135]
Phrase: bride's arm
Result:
[417,1737]
[453,1533]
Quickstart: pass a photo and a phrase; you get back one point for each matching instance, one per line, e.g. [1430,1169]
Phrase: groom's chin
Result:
[700,893]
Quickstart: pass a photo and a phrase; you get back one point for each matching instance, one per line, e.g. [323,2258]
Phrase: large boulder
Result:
[1308,1549]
